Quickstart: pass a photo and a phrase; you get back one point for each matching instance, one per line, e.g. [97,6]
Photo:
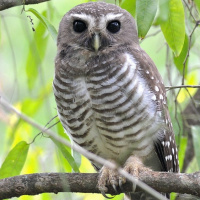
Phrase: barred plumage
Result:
[110,97]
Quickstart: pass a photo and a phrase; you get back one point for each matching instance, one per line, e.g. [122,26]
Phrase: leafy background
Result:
[27,70]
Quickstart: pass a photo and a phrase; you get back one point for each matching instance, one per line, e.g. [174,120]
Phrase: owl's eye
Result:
[113,26]
[79,26]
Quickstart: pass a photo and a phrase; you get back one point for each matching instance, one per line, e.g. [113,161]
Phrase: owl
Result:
[110,96]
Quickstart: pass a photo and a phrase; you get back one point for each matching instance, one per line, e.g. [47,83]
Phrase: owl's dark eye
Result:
[79,26]
[113,26]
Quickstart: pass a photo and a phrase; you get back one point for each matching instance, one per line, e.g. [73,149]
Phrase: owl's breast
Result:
[109,110]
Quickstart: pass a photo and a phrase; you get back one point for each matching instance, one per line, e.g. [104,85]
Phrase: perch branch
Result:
[33,184]
[5,4]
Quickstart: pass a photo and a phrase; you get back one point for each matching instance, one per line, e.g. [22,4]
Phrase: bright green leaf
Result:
[14,161]
[163,11]
[196,142]
[197,3]
[174,28]
[61,132]
[178,61]
[130,6]
[145,14]
[181,153]
[46,23]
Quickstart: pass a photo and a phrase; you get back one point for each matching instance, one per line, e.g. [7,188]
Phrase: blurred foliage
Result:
[27,51]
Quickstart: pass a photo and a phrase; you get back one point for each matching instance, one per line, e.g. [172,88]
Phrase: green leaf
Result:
[130,6]
[145,14]
[197,3]
[181,153]
[14,161]
[46,23]
[66,151]
[174,28]
[178,61]
[196,142]
[66,154]
[77,157]
[163,13]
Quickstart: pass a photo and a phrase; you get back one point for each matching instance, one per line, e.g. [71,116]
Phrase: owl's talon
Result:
[121,185]
[134,185]
[115,188]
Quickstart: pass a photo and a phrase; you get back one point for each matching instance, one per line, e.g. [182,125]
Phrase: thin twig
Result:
[45,129]
[189,11]
[181,86]
[5,4]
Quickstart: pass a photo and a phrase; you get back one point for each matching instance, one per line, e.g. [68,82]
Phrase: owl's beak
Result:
[96,41]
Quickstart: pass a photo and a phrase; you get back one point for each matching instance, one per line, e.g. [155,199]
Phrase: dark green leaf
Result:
[174,28]
[196,142]
[46,23]
[145,14]
[14,161]
[77,157]
[178,61]
[130,6]
[66,151]
[67,155]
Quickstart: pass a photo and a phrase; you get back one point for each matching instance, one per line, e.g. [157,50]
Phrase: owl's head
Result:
[96,26]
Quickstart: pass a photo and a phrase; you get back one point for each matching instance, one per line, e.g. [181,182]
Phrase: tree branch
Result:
[5,4]
[33,184]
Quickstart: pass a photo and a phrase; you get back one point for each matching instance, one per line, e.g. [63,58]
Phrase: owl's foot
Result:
[111,177]
[132,166]
[108,177]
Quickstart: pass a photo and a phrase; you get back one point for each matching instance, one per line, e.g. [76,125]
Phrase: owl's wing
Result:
[165,145]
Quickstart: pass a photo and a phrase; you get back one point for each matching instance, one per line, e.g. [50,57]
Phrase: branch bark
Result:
[5,4]
[33,184]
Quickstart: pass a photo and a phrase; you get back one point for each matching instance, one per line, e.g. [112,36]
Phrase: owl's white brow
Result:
[87,18]
[112,16]
[107,18]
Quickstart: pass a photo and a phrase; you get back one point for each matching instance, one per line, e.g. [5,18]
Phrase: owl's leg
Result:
[133,166]
[107,176]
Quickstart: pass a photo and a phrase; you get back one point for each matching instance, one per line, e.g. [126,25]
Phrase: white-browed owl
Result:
[110,96]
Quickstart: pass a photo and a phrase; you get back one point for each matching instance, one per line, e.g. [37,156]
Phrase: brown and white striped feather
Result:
[115,106]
